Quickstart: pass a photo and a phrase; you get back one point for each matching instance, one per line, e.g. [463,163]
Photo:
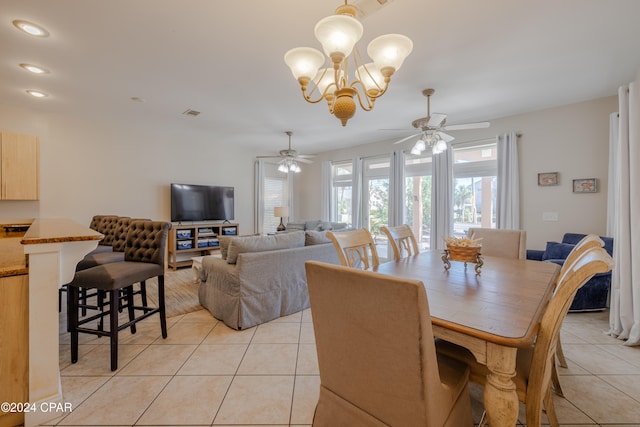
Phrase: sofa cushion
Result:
[557,250]
[224,242]
[295,225]
[244,244]
[312,237]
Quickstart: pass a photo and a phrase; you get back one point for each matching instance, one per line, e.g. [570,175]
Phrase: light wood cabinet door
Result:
[14,345]
[20,167]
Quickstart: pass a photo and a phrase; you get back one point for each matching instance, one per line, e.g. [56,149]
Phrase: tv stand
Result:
[196,239]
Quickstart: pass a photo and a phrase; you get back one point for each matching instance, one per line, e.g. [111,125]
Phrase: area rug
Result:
[180,289]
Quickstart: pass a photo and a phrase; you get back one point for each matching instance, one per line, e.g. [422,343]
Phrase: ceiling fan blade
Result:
[476,125]
[268,157]
[436,119]
[301,160]
[407,138]
[445,137]
[306,156]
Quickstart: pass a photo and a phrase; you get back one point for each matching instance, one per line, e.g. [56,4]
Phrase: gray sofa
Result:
[261,278]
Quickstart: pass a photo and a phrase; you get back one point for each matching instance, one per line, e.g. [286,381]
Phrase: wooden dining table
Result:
[492,314]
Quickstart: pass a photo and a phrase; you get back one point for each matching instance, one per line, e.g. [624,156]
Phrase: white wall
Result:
[572,140]
[89,168]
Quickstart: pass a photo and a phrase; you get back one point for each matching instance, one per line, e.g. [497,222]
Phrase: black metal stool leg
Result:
[129,294]
[161,306]
[113,326]
[72,317]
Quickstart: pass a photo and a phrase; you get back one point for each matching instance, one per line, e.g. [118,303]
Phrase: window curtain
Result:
[396,189]
[258,226]
[356,193]
[508,197]
[624,183]
[442,198]
[325,203]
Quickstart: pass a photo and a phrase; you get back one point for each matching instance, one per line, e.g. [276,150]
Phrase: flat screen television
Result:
[201,203]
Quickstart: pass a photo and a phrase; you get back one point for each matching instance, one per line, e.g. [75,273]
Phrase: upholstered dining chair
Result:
[402,240]
[356,248]
[501,243]
[534,365]
[144,258]
[376,353]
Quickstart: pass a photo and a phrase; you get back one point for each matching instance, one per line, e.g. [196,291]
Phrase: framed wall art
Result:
[548,178]
[586,185]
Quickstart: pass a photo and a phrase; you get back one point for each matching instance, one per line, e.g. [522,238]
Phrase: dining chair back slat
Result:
[356,248]
[402,240]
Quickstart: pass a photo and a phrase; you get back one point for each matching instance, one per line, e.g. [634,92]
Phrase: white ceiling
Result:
[486,59]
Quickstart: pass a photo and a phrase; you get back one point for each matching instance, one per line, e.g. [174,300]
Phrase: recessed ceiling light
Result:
[34,69]
[30,28]
[37,93]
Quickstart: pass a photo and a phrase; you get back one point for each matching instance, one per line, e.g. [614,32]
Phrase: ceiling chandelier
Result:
[289,165]
[338,35]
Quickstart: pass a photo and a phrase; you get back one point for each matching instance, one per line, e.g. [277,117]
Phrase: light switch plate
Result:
[549,216]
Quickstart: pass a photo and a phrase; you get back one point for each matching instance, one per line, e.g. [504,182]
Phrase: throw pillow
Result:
[239,245]
[312,237]
[557,250]
[224,242]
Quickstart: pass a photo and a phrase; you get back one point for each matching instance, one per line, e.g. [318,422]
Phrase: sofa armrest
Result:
[535,254]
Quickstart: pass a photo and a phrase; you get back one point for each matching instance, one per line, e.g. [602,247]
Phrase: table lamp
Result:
[281,211]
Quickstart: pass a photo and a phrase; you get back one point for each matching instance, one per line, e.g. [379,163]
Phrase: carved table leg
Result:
[500,397]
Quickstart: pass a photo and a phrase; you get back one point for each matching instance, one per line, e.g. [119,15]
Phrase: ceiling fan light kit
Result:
[338,34]
[289,158]
[432,129]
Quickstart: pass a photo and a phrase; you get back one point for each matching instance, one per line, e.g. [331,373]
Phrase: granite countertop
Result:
[13,261]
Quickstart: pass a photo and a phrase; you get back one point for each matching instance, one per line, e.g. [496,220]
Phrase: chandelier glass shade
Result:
[339,34]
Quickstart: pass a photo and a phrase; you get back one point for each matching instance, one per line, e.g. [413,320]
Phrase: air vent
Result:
[191,112]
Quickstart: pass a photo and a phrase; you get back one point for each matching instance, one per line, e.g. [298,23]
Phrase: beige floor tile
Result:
[64,355]
[307,360]
[628,384]
[598,361]
[306,316]
[257,400]
[269,359]
[307,335]
[186,333]
[120,401]
[187,400]
[282,333]
[222,334]
[591,332]
[159,360]
[217,359]
[600,401]
[98,361]
[76,389]
[305,397]
[628,354]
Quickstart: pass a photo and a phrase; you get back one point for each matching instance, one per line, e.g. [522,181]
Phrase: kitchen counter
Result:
[13,261]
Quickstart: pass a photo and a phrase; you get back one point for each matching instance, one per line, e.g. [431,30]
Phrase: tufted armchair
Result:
[144,258]
[594,295]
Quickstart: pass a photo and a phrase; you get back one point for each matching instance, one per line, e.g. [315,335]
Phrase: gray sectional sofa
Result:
[261,278]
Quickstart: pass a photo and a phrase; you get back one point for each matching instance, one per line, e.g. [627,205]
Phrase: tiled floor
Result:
[206,374]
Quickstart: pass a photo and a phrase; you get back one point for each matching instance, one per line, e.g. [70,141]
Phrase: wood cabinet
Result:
[14,345]
[19,166]
[196,239]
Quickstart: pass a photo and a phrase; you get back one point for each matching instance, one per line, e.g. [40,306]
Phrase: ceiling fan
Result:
[432,129]
[289,158]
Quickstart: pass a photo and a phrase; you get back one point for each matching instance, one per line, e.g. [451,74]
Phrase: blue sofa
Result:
[594,295]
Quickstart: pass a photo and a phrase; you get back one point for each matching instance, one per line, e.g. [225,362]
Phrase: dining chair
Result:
[534,365]
[144,258]
[402,240]
[376,353]
[589,241]
[501,243]
[356,248]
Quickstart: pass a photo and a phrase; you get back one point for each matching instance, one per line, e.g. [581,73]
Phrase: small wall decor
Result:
[587,185]
[548,178]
